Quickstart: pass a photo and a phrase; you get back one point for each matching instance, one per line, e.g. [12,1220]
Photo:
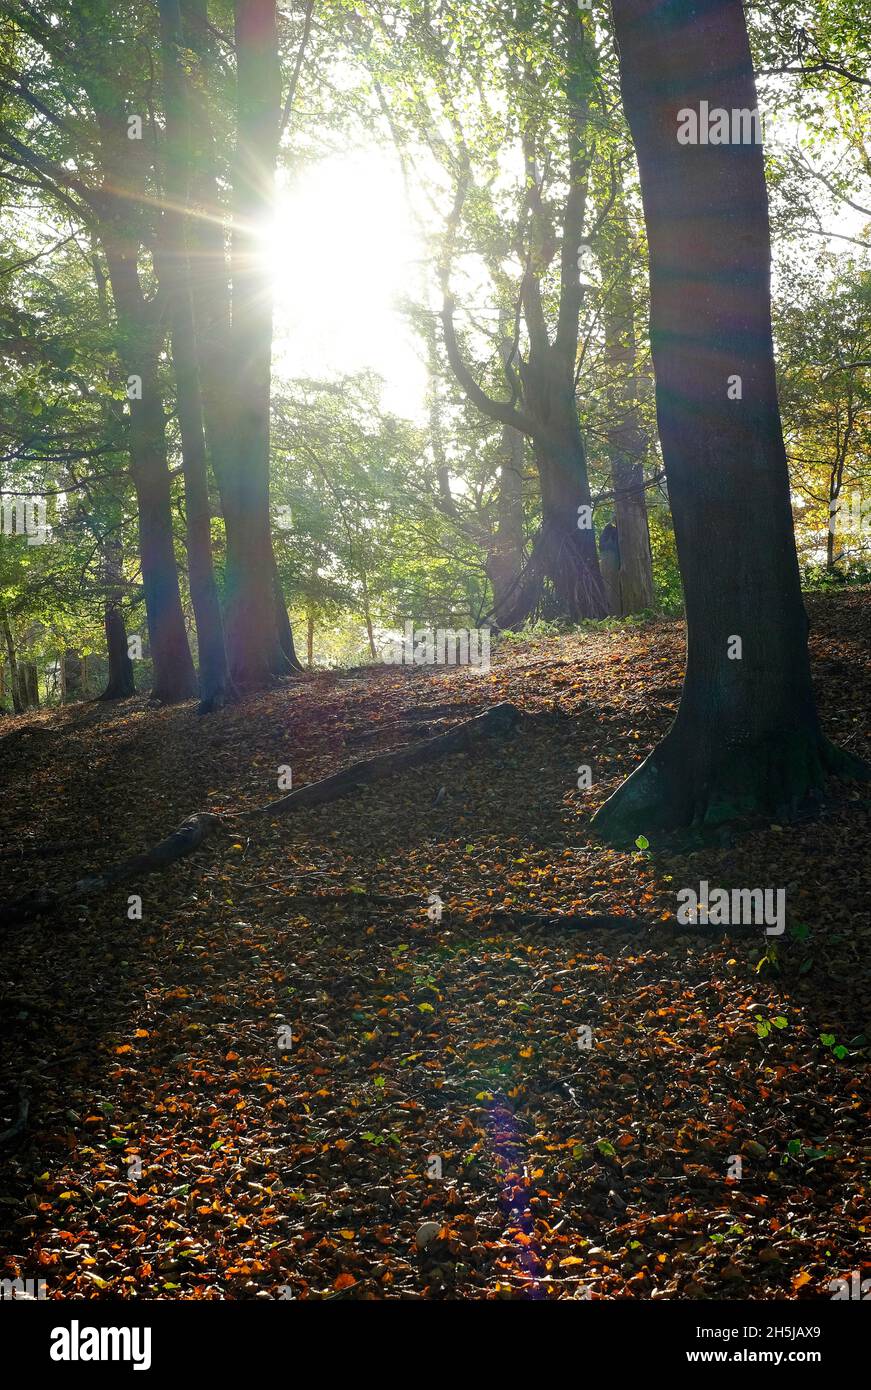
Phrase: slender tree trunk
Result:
[71,675]
[140,342]
[626,438]
[285,632]
[504,562]
[175,278]
[174,674]
[746,739]
[30,672]
[14,683]
[121,684]
[310,640]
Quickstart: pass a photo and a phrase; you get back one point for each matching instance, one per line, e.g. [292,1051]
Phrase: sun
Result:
[343,251]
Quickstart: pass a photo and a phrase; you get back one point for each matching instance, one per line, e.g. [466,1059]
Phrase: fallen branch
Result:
[499,719]
[188,837]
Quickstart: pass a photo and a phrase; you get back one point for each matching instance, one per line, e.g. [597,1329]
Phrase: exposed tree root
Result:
[498,720]
[782,778]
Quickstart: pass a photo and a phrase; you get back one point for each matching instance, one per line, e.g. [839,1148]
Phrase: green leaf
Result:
[642,842]
[827,1039]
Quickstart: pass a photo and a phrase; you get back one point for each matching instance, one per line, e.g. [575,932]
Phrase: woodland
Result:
[435,486]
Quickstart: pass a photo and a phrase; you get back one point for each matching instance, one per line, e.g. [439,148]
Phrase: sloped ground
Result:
[262,1090]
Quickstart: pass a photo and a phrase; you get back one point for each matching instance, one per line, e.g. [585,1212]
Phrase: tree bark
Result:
[140,341]
[121,684]
[176,280]
[252,620]
[71,675]
[13,663]
[626,437]
[29,673]
[235,341]
[746,739]
[568,542]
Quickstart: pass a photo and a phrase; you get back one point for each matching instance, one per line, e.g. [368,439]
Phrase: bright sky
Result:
[345,251]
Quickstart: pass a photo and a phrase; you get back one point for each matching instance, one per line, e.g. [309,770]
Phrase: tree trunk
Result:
[626,438]
[568,553]
[121,684]
[310,640]
[174,674]
[234,350]
[252,620]
[175,278]
[140,342]
[746,739]
[30,683]
[504,562]
[14,684]
[71,676]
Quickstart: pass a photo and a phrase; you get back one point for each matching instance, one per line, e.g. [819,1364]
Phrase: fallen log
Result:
[499,719]
[188,837]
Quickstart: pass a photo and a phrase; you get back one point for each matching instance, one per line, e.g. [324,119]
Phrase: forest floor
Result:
[259,1090]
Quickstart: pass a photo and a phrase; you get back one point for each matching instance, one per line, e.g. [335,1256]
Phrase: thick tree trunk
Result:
[252,621]
[235,349]
[175,277]
[746,738]
[567,553]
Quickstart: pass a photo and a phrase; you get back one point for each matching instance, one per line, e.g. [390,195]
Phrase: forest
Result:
[435,548]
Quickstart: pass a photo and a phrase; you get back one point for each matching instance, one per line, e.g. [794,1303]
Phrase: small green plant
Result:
[765,1025]
[838,1049]
[797,1151]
